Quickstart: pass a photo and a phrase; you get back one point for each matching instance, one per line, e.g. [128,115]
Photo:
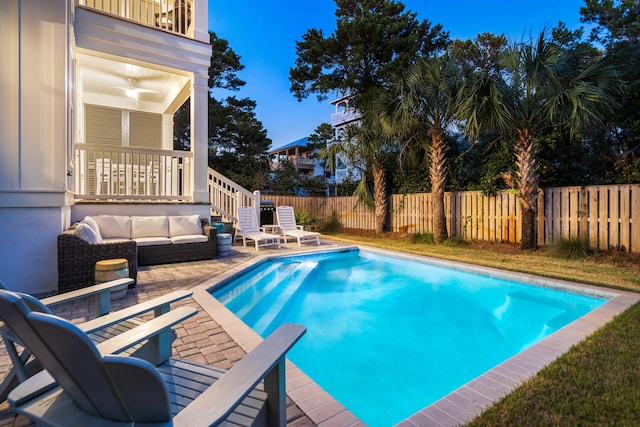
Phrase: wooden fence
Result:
[607,216]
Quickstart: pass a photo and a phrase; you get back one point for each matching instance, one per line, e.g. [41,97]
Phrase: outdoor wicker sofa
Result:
[78,250]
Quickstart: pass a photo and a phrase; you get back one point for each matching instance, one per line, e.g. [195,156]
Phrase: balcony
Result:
[304,163]
[126,173]
[174,16]
[344,117]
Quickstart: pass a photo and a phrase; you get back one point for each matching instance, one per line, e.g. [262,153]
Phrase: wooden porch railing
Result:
[174,16]
[114,172]
[226,196]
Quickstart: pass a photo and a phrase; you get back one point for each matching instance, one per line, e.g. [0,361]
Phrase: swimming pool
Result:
[377,326]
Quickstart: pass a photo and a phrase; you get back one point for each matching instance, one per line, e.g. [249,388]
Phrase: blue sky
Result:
[264,33]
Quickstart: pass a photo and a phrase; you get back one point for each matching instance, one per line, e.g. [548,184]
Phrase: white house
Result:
[88,92]
[303,158]
[345,115]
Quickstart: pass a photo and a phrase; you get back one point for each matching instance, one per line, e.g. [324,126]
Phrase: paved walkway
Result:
[199,339]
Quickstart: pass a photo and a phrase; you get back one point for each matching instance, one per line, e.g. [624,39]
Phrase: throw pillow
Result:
[94,226]
[86,233]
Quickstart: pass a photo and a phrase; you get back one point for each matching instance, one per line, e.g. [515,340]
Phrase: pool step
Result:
[264,313]
[261,290]
[250,290]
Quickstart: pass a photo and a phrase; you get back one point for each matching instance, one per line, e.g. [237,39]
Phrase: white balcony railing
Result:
[344,116]
[126,173]
[170,15]
[226,196]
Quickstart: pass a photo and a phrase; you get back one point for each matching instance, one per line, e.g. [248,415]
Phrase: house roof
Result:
[302,142]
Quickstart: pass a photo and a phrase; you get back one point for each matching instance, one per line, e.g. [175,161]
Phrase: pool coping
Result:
[462,404]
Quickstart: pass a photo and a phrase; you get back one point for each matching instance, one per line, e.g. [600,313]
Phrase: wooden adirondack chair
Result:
[81,387]
[104,327]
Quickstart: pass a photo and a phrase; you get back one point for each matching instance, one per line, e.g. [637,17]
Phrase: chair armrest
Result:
[101,292]
[160,305]
[300,227]
[149,329]
[43,381]
[32,387]
[239,381]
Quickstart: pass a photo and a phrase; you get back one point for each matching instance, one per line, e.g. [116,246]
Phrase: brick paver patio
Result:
[199,339]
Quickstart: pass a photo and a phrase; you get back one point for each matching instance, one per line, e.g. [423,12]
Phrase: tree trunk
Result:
[528,229]
[528,183]
[438,175]
[380,197]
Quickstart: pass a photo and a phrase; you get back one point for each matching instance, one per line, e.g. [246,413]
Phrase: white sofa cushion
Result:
[189,238]
[152,241]
[86,233]
[114,226]
[91,222]
[149,226]
[184,224]
[115,240]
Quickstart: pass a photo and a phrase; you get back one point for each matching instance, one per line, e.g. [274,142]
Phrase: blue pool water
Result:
[386,336]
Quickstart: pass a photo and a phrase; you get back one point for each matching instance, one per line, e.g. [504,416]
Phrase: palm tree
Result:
[418,111]
[538,86]
[366,144]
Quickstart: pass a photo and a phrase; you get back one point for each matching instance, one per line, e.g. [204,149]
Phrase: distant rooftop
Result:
[302,142]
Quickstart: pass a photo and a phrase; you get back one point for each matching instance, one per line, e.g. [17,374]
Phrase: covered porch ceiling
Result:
[110,82]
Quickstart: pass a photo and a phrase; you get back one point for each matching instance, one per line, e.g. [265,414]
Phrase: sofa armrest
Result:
[77,259]
[209,231]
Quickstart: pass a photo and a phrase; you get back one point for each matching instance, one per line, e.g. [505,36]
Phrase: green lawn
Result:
[596,383]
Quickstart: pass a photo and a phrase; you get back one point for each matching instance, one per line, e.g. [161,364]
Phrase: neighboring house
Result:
[304,158]
[345,115]
[88,93]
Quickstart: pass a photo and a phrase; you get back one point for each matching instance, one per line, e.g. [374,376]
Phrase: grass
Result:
[597,382]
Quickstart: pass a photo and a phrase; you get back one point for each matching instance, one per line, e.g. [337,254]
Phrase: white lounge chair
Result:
[288,226]
[248,228]
[100,329]
[83,387]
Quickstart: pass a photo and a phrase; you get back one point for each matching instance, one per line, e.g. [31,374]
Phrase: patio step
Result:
[263,315]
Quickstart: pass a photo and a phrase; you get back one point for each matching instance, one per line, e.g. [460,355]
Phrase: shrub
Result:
[571,248]
[424,238]
[455,241]
[304,218]
[332,224]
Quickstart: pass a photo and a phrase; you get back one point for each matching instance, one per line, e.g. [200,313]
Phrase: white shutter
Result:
[103,125]
[145,130]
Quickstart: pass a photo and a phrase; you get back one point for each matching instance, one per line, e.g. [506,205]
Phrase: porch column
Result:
[199,137]
[200,15]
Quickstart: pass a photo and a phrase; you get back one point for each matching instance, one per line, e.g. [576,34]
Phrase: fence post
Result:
[583,218]
[541,217]
[453,214]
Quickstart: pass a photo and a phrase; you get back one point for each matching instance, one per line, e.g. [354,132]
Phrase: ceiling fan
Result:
[132,91]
